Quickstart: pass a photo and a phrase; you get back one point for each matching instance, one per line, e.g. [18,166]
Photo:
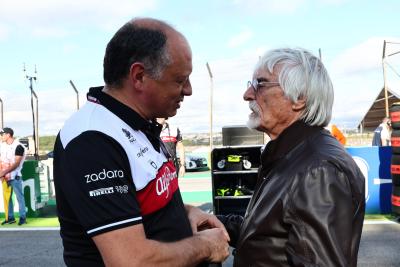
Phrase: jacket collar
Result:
[296,133]
[277,149]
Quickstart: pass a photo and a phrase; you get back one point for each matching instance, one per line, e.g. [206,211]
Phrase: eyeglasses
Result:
[256,85]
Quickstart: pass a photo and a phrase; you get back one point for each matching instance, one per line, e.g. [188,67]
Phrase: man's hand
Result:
[200,220]
[182,171]
[217,244]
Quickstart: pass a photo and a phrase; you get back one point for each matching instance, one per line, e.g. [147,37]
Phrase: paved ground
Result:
[42,247]
[30,248]
[379,247]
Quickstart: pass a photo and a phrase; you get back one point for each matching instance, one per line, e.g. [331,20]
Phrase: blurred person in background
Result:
[382,133]
[12,156]
[172,138]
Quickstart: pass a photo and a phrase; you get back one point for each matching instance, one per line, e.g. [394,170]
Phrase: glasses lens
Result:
[253,84]
[249,84]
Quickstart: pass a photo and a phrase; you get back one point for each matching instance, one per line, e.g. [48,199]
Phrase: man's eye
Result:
[181,81]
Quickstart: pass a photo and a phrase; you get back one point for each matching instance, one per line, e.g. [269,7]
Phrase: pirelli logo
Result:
[101,191]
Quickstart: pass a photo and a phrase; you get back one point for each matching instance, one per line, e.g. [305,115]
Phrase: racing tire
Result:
[395,141]
[395,169]
[396,200]
[395,115]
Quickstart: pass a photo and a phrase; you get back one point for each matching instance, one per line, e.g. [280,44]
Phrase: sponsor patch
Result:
[159,192]
[122,189]
[129,135]
[101,191]
[110,174]
[142,151]
[163,181]
[153,164]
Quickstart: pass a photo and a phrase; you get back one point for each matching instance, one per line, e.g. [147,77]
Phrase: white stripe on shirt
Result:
[113,224]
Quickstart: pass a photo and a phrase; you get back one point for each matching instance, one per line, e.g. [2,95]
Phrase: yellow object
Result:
[7,190]
[234,158]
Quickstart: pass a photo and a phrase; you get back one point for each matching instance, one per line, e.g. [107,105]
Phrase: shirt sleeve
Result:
[321,215]
[94,177]
[19,150]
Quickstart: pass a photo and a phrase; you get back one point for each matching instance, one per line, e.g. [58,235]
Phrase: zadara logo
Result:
[103,175]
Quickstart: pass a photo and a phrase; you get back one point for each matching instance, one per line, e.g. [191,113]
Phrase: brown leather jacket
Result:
[308,207]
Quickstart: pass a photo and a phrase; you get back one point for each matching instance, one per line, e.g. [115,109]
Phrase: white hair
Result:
[302,76]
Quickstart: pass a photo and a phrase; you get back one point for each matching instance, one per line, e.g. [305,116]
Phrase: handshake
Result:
[211,233]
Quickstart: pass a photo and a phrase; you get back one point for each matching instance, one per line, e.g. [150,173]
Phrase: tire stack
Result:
[395,162]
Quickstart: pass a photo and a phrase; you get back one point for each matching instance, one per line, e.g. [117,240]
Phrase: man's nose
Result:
[249,94]
[187,88]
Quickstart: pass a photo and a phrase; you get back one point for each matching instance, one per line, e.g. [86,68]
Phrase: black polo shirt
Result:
[111,171]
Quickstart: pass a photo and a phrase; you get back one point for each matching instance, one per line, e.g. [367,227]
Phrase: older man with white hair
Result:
[308,205]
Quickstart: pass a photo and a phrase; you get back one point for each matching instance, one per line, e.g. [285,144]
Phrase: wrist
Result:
[188,208]
[205,252]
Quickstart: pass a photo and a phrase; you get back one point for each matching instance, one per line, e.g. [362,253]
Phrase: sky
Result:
[66,41]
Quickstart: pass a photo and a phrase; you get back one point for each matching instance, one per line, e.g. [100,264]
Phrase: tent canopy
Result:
[377,111]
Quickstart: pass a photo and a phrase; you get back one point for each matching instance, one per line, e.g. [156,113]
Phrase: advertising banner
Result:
[374,163]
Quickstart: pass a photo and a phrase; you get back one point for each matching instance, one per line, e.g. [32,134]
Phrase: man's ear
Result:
[299,105]
[136,74]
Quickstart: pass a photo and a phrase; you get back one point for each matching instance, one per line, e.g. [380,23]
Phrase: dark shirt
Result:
[111,171]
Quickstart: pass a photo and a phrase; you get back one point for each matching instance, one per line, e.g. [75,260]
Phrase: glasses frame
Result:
[257,85]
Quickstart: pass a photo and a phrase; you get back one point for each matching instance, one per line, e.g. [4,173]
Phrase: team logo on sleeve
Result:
[129,135]
[142,151]
[111,174]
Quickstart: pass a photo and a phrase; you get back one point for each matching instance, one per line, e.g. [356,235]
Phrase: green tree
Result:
[46,143]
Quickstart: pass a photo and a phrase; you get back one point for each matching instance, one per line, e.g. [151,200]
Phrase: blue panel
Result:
[374,162]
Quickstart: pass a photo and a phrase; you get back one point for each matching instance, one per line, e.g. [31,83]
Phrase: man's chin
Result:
[172,113]
[253,123]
